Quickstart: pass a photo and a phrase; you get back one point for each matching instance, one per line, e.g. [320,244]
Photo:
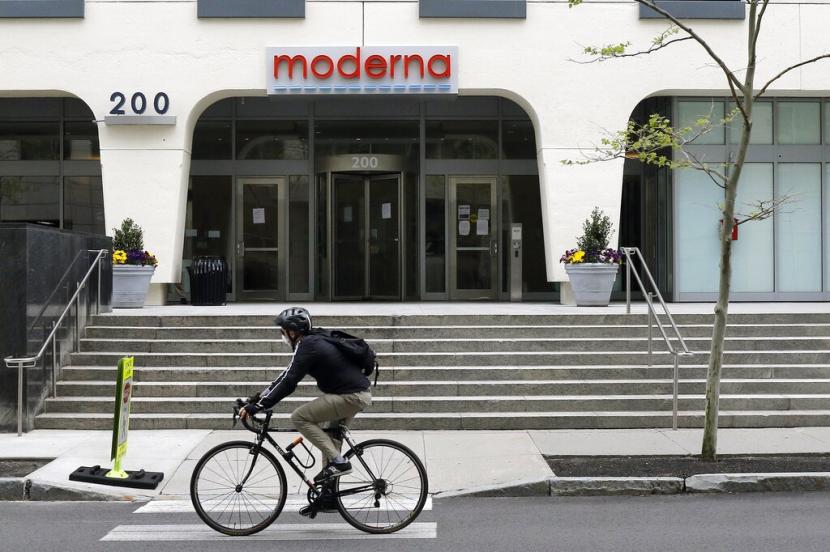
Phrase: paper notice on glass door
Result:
[259,215]
[464,228]
[463,212]
[482,227]
[386,211]
[484,214]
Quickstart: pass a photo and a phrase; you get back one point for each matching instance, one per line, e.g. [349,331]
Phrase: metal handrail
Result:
[31,361]
[630,253]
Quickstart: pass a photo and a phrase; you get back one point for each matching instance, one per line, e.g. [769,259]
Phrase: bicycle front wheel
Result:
[386,489]
[230,506]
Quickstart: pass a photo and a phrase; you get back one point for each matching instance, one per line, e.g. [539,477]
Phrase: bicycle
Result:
[234,499]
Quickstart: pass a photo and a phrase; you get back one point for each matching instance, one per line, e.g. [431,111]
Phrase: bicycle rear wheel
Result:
[388,495]
[224,503]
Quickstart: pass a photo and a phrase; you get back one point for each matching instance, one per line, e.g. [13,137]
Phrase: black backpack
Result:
[353,348]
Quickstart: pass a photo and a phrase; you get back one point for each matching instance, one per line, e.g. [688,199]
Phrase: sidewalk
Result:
[456,461]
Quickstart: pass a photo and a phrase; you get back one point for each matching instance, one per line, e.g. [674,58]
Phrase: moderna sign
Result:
[362,70]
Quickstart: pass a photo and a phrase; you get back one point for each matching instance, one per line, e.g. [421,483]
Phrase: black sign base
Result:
[137,479]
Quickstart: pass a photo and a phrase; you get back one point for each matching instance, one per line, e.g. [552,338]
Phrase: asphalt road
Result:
[736,523]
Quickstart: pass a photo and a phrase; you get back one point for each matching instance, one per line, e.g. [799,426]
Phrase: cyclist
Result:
[345,389]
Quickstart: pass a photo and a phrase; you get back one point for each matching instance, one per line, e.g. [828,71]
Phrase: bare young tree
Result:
[649,141]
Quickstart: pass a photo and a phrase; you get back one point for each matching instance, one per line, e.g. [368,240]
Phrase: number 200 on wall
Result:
[138,103]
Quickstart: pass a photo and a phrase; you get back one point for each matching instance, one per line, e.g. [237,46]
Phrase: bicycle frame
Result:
[290,458]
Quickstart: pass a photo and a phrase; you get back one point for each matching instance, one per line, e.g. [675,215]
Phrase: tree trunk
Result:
[710,423]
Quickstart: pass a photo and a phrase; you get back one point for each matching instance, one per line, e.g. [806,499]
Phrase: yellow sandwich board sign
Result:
[121,419]
[117,476]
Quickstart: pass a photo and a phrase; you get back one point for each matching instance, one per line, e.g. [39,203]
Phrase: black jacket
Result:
[325,363]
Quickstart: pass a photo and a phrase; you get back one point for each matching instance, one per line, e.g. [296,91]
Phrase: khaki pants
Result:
[328,408]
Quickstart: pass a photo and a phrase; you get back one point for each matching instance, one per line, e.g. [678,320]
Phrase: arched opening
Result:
[358,198]
[674,216]
[50,169]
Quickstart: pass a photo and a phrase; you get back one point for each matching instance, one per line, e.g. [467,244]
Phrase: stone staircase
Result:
[459,371]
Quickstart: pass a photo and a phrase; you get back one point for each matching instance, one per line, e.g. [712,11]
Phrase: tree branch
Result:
[697,164]
[603,56]
[764,209]
[758,20]
[787,70]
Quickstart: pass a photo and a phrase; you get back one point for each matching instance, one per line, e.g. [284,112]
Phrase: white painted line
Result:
[292,504]
[276,532]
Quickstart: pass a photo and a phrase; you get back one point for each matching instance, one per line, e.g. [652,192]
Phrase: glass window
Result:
[30,199]
[80,141]
[827,230]
[272,140]
[752,255]
[697,226]
[435,248]
[827,122]
[207,226]
[212,140]
[29,141]
[689,112]
[518,140]
[321,254]
[761,124]
[83,204]
[412,233]
[299,233]
[384,137]
[798,248]
[799,123]
[462,139]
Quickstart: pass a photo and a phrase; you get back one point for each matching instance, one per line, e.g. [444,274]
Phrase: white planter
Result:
[129,285]
[592,282]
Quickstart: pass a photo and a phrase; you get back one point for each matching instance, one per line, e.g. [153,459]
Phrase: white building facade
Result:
[321,190]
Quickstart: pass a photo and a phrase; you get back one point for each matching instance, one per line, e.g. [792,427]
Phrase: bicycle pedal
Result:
[308,511]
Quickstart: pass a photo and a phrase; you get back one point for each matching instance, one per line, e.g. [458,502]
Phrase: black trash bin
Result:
[208,277]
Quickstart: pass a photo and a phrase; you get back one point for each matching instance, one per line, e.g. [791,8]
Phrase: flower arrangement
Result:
[592,246]
[128,242]
[134,257]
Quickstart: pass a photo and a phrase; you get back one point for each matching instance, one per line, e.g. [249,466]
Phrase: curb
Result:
[643,486]
[21,488]
[12,488]
[611,486]
[758,482]
[539,486]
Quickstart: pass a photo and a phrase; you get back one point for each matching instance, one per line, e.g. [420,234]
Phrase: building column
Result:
[569,194]
[147,183]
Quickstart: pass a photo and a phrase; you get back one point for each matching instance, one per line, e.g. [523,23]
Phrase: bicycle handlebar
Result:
[257,424]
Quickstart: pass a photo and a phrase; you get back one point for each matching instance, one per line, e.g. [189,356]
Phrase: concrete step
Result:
[227,318]
[452,388]
[417,405]
[500,358]
[463,373]
[456,332]
[473,345]
[456,421]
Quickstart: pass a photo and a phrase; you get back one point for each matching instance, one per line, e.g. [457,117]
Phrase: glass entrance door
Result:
[473,238]
[366,254]
[260,233]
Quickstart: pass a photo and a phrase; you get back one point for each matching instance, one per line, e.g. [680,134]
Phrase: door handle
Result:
[494,248]
[240,249]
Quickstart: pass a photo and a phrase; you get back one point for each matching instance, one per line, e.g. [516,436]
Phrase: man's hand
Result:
[248,410]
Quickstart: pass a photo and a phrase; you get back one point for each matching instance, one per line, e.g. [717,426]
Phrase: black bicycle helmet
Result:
[296,318]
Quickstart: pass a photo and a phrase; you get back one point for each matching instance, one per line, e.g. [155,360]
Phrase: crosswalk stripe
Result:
[292,504]
[276,532]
